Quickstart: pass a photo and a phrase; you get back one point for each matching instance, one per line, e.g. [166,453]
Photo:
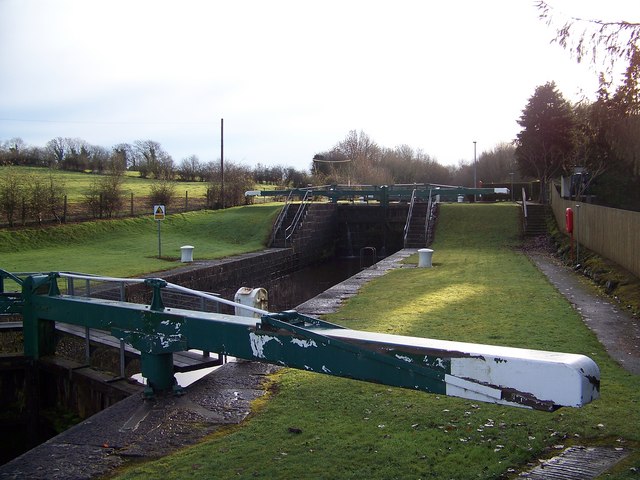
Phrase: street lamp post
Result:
[475,170]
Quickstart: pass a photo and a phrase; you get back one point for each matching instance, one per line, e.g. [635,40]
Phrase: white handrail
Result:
[97,278]
[169,286]
[208,296]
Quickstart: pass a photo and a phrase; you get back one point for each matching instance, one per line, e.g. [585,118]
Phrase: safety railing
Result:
[281,216]
[407,223]
[290,230]
[112,288]
[428,219]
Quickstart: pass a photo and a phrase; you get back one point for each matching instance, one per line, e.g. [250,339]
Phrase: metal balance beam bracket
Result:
[157,284]
[158,338]
[39,333]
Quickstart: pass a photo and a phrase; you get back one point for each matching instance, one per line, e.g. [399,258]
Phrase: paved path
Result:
[615,328]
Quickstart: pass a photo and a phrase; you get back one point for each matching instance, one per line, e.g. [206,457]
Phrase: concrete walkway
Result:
[616,329]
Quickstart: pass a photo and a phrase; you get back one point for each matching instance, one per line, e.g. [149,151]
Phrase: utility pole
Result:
[222,162]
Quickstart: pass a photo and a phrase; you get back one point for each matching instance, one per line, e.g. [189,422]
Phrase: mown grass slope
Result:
[130,247]
[481,289]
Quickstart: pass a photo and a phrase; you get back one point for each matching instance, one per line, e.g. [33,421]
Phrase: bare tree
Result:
[13,151]
[190,168]
[162,192]
[10,195]
[123,154]
[495,165]
[237,180]
[105,196]
[153,160]
[56,150]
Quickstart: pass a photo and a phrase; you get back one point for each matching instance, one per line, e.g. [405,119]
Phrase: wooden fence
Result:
[132,206]
[610,232]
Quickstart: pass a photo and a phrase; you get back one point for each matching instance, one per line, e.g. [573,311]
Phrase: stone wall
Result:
[314,242]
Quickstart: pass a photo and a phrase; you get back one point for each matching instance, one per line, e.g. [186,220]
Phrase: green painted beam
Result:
[535,379]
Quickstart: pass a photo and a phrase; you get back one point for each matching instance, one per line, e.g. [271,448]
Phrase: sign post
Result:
[158,214]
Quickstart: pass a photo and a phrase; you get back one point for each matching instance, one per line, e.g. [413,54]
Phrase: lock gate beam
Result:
[511,376]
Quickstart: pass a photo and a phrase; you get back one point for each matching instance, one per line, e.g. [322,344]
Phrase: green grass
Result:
[130,247]
[481,289]
[77,184]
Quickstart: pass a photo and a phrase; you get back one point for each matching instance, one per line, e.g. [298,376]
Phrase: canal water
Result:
[289,291]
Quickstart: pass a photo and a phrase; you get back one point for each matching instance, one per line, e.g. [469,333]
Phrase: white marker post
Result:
[158,214]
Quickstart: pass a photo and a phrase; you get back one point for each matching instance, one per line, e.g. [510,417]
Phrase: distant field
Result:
[77,184]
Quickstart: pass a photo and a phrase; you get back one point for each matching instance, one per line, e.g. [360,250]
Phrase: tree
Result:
[10,195]
[546,143]
[603,42]
[56,150]
[152,160]
[119,159]
[615,120]
[237,180]
[104,197]
[162,192]
[363,153]
[190,169]
[13,152]
[496,165]
[124,155]
[77,155]
[611,134]
[36,200]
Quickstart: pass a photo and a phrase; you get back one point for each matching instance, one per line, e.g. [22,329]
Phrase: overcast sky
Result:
[290,78]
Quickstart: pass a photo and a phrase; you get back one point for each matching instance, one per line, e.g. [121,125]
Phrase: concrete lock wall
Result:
[314,240]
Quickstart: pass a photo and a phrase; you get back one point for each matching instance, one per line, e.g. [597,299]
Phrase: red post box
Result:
[569,220]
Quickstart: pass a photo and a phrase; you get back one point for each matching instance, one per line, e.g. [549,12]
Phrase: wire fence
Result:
[130,205]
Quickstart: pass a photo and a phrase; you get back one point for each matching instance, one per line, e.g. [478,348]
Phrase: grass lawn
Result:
[481,289]
[77,184]
[130,247]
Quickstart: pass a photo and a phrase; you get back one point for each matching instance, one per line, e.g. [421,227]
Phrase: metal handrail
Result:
[169,286]
[296,219]
[409,214]
[427,221]
[281,216]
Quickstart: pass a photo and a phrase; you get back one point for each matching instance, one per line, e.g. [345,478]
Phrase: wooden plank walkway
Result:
[182,361]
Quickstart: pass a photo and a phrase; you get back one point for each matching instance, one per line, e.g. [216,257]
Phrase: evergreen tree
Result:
[546,143]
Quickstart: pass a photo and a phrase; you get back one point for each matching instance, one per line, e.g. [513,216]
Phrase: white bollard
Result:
[186,253]
[424,257]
